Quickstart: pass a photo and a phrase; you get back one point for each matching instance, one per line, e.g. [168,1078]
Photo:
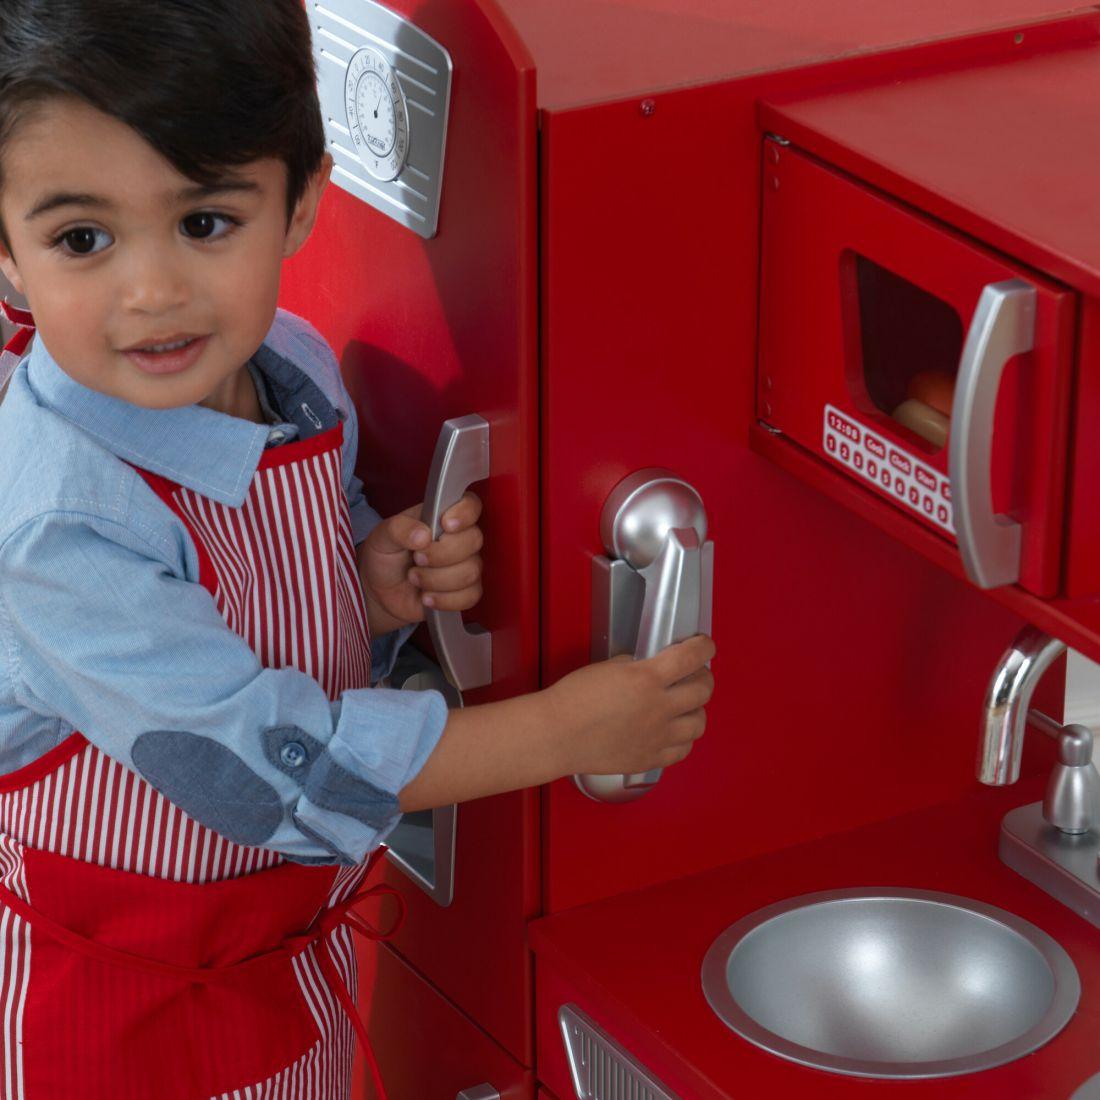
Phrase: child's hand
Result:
[624,716]
[404,572]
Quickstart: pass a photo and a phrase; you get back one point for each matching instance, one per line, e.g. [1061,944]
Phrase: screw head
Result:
[647,107]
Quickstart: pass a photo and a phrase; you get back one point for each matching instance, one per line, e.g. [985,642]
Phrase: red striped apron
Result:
[146,957]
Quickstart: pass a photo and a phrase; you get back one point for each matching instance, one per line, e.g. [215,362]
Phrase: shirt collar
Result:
[210,452]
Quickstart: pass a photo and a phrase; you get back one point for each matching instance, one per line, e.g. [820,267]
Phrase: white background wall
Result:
[1083,693]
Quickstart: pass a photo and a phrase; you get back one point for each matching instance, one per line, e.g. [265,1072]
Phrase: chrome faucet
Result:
[1004,715]
[1054,843]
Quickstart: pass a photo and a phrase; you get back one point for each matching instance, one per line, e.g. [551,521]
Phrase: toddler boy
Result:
[195,598]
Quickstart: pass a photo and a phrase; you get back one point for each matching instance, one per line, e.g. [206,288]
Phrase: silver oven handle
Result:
[461,458]
[1003,326]
[655,589]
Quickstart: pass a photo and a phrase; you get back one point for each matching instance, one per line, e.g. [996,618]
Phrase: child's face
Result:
[126,258]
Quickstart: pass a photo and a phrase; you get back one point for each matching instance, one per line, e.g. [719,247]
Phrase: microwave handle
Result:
[1003,326]
[461,457]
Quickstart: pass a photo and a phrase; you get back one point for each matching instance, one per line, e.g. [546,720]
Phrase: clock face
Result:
[378,117]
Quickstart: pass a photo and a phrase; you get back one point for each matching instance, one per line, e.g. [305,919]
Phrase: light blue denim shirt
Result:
[105,628]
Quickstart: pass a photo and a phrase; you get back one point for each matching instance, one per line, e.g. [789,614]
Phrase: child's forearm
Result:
[487,750]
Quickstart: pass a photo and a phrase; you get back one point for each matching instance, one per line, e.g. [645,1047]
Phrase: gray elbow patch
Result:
[324,782]
[210,783]
[332,787]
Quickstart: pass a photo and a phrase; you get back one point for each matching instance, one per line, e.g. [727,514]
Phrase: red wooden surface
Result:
[632,962]
[834,642]
[427,330]
[590,51]
[426,1048]
[992,148]
[1083,515]
[816,222]
[1075,621]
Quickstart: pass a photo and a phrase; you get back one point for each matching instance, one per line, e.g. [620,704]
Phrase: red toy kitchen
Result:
[809,294]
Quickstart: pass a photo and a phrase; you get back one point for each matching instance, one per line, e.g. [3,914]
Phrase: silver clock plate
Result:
[341,30]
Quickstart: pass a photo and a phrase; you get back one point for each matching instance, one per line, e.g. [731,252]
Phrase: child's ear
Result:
[305,213]
[7,266]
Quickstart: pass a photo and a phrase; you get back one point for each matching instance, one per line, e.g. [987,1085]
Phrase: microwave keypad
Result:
[892,469]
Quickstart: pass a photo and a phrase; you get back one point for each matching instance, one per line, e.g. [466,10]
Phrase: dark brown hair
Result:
[210,84]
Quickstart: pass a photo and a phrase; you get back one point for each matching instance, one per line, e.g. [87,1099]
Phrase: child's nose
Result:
[153,284]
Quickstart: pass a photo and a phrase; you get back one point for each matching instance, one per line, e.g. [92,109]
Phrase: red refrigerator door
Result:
[427,330]
[426,1048]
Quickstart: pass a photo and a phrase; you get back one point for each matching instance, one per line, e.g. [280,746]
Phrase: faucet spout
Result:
[1004,715]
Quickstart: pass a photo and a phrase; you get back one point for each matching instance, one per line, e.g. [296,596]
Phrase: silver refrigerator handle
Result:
[656,588]
[1003,326]
[461,458]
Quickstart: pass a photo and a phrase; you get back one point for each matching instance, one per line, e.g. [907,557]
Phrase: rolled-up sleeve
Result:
[101,632]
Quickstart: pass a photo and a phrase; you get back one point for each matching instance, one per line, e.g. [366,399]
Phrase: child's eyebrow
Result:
[189,194]
[64,198]
[207,190]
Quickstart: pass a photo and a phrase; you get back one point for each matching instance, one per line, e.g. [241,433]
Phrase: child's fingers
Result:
[681,659]
[463,514]
[452,578]
[400,532]
[461,600]
[451,549]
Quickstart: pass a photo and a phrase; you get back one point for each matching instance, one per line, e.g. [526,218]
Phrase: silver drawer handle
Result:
[461,458]
[655,589]
[479,1092]
[1003,326]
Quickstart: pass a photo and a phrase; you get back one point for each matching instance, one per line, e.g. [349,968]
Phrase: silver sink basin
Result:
[890,983]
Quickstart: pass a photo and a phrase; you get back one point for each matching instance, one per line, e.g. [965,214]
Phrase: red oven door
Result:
[426,1048]
[932,370]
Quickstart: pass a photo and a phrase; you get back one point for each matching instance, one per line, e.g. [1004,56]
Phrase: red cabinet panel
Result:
[864,314]
[648,361]
[426,1048]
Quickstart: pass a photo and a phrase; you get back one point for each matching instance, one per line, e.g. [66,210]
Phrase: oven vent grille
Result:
[603,1070]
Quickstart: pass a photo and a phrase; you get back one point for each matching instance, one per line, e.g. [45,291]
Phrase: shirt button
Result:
[293,754]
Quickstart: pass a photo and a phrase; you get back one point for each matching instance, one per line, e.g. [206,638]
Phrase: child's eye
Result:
[85,240]
[206,226]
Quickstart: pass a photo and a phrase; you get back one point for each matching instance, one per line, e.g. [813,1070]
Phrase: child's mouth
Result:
[168,358]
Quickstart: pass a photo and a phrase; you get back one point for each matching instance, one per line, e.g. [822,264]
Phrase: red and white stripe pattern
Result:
[303,606]
[13,352]
[283,574]
[15,943]
[94,809]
